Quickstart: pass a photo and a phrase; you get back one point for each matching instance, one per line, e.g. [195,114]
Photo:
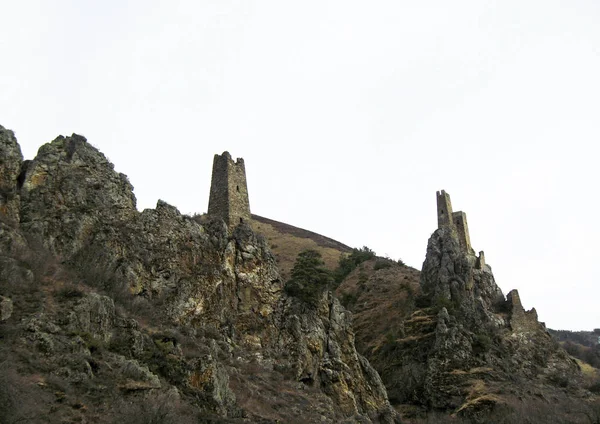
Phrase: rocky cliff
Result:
[118,313]
[108,314]
[447,339]
[479,335]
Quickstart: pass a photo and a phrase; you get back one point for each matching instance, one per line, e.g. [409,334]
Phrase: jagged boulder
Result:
[451,278]
[94,315]
[317,342]
[68,190]
[6,308]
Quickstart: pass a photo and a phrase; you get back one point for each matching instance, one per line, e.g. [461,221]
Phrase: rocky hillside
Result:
[505,362]
[108,315]
[112,315]
[447,339]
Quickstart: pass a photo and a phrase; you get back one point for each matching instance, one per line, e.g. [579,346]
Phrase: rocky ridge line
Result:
[216,290]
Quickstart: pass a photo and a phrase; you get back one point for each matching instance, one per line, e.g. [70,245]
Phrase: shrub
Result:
[422,301]
[443,302]
[309,277]
[409,384]
[20,400]
[595,387]
[348,263]
[382,264]
[559,379]
[91,342]
[159,408]
[348,299]
[70,292]
[481,343]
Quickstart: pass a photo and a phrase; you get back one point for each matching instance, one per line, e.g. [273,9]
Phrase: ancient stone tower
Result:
[228,190]
[456,220]
[444,209]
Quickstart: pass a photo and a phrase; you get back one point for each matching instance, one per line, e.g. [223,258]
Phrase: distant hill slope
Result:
[583,345]
[286,241]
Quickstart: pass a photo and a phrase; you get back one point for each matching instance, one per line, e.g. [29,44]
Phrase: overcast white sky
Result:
[349,115]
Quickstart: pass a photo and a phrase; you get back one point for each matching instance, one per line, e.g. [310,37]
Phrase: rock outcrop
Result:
[446,339]
[12,159]
[69,191]
[479,337]
[320,347]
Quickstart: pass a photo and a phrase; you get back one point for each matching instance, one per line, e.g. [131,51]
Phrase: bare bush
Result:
[160,408]
[21,401]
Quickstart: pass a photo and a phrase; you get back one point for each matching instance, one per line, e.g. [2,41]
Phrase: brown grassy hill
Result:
[378,292]
[287,241]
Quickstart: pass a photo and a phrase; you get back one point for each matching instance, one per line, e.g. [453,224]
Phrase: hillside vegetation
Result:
[111,315]
[286,243]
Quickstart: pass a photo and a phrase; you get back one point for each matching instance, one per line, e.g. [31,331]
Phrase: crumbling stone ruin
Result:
[457,221]
[520,319]
[228,190]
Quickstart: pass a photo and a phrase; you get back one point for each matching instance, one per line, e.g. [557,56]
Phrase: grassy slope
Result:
[287,241]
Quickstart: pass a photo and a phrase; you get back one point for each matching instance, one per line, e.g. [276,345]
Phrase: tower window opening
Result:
[237,187]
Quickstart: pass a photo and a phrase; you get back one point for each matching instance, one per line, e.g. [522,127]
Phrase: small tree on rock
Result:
[309,278]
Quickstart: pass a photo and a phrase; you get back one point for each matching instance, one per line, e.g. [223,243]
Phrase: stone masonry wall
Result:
[455,220]
[520,319]
[229,190]
[444,211]
[460,222]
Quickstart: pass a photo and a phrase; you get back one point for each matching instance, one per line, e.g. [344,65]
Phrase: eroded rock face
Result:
[450,275]
[6,308]
[479,338]
[320,344]
[221,285]
[11,159]
[70,189]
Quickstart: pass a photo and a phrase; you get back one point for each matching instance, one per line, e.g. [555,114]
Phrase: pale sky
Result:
[349,115]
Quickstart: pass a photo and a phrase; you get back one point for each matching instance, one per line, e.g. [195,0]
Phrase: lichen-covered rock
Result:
[11,160]
[137,376]
[319,343]
[93,314]
[221,284]
[6,308]
[449,276]
[480,339]
[68,190]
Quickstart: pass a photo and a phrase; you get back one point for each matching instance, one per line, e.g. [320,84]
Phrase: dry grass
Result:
[587,370]
[383,302]
[286,241]
[478,370]
[267,396]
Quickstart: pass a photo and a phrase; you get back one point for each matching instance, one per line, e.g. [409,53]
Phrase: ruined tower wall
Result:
[229,190]
[455,220]
[480,263]
[521,320]
[239,203]
[462,229]
[444,209]
[218,203]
